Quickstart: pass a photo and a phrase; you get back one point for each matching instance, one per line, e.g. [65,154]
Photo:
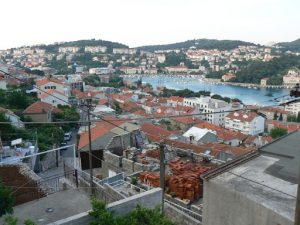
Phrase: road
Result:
[69,152]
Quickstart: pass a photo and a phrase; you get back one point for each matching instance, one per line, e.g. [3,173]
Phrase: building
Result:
[50,83]
[115,138]
[175,101]
[245,122]
[184,122]
[41,112]
[68,49]
[228,77]
[177,69]
[293,108]
[264,82]
[95,49]
[209,105]
[125,51]
[161,58]
[15,120]
[101,70]
[292,77]
[256,188]
[200,136]
[54,98]
[272,113]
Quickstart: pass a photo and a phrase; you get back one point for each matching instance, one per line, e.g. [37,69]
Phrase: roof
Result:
[176,99]
[290,127]
[222,133]
[50,92]
[47,80]
[187,119]
[242,116]
[286,150]
[197,133]
[40,107]
[251,178]
[102,128]
[155,131]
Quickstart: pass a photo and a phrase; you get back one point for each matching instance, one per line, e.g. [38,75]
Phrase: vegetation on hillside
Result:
[81,43]
[186,93]
[198,43]
[291,46]
[94,80]
[254,71]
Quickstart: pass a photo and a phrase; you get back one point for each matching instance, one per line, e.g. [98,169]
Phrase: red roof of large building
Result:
[47,80]
[40,107]
[242,116]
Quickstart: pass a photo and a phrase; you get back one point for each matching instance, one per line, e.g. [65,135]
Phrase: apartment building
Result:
[47,84]
[208,105]
[95,49]
[293,108]
[245,122]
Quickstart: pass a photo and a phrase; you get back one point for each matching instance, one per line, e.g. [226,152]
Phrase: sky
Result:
[146,22]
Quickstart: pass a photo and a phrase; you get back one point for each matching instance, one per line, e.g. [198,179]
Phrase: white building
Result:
[68,49]
[127,51]
[293,108]
[245,122]
[209,105]
[54,98]
[47,84]
[95,49]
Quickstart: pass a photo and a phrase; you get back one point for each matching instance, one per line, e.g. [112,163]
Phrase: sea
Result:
[249,96]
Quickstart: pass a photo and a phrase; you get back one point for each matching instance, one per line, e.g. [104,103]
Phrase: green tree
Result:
[278,132]
[6,200]
[68,114]
[275,117]
[138,216]
[298,117]
[280,117]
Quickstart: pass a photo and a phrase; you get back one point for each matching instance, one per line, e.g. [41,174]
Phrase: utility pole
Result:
[162,172]
[89,106]
[297,210]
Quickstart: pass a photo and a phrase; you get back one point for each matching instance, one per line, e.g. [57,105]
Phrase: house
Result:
[54,98]
[184,122]
[257,141]
[41,111]
[214,110]
[115,136]
[264,82]
[290,127]
[15,120]
[292,77]
[275,113]
[257,188]
[245,122]
[177,69]
[293,108]
[157,133]
[228,77]
[49,83]
[200,136]
[226,136]
[174,101]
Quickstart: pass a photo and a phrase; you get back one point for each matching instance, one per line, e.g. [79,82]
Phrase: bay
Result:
[249,96]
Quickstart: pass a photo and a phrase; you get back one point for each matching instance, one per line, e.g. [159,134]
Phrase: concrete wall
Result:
[149,199]
[178,217]
[227,207]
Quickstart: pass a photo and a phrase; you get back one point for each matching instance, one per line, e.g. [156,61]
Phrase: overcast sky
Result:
[145,22]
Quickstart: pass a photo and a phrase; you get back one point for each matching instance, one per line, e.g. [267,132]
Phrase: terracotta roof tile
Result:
[40,107]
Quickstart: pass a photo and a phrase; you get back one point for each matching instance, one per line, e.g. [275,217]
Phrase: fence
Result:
[191,213]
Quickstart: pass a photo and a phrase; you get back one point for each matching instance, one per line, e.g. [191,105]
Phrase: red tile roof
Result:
[50,92]
[187,120]
[242,116]
[154,132]
[290,127]
[176,99]
[40,107]
[47,80]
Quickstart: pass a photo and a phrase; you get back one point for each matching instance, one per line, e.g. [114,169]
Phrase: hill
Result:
[82,43]
[198,43]
[291,46]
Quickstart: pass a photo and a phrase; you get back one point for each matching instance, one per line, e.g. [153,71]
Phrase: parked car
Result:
[62,145]
[67,136]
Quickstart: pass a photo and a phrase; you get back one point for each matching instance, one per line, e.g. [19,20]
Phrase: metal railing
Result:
[189,212]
